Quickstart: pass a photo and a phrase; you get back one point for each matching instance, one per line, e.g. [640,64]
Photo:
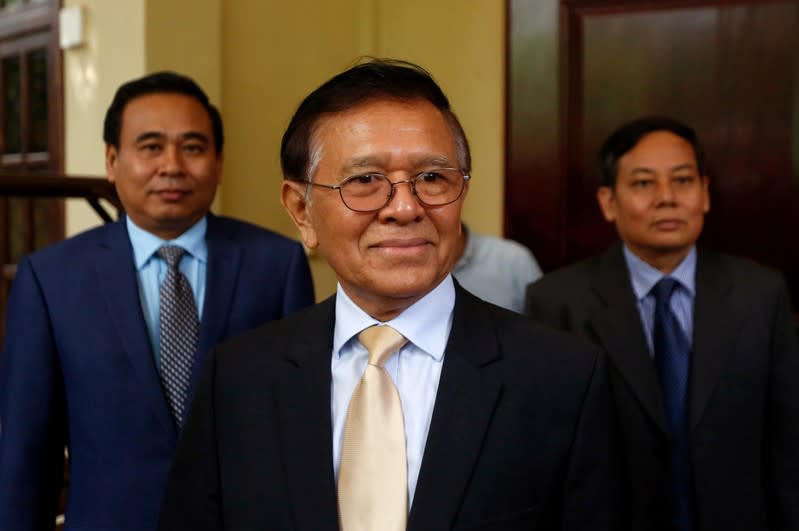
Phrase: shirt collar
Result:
[426,323]
[644,276]
[145,243]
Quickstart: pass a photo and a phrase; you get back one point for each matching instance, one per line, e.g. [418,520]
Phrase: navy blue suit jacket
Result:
[77,368]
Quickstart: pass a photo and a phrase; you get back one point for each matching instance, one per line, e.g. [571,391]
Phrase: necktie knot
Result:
[381,342]
[171,254]
[663,290]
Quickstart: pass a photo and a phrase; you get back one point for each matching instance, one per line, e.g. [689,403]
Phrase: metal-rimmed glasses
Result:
[369,192]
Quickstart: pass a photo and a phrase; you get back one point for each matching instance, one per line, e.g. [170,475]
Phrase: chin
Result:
[412,284]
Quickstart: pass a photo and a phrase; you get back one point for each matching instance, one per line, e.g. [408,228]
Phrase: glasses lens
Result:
[366,192]
[439,187]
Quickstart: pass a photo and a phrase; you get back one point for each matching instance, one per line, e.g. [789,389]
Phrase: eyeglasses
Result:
[372,191]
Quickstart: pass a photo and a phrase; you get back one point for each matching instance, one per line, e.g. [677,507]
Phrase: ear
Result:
[219,164]
[111,155]
[292,196]
[706,193]
[607,203]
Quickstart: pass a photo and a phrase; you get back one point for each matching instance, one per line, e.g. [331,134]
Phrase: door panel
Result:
[728,68]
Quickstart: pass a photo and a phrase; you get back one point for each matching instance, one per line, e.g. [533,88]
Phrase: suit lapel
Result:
[617,324]
[305,424]
[220,287]
[714,325]
[116,275]
[465,401]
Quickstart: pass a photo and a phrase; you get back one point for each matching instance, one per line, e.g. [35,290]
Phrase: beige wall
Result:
[277,52]
[462,43]
[113,53]
[126,39]
[258,59]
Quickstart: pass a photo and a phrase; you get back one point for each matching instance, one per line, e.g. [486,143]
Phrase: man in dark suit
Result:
[472,417]
[705,383]
[87,362]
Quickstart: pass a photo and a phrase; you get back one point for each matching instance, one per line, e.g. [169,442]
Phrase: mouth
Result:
[668,224]
[402,247]
[171,194]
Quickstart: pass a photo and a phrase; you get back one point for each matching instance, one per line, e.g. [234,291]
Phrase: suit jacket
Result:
[743,397]
[521,435]
[77,368]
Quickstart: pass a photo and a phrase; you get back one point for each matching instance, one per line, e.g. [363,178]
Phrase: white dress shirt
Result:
[415,369]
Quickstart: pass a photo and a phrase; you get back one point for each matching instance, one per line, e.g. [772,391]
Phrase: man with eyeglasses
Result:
[402,402]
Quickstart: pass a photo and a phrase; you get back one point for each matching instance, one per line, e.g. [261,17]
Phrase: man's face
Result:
[166,168]
[659,201]
[388,259]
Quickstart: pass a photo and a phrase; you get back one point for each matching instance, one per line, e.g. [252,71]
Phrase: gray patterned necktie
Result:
[179,331]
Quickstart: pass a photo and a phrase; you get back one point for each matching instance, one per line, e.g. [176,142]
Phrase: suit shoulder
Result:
[251,234]
[743,271]
[564,283]
[238,226]
[270,340]
[520,335]
[72,249]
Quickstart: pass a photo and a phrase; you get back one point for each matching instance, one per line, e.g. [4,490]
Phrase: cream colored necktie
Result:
[373,475]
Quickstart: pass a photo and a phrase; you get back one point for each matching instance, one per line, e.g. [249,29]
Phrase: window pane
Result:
[42,209]
[37,66]
[16,229]
[12,104]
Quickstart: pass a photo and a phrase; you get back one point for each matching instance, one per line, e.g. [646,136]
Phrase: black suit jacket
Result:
[743,387]
[522,434]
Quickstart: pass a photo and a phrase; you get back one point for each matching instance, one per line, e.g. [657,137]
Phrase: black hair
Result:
[628,135]
[158,82]
[376,79]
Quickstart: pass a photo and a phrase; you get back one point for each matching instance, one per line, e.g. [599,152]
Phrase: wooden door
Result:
[578,69]
[30,128]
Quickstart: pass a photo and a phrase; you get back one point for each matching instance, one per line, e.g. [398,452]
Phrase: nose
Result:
[172,161]
[403,206]
[665,192]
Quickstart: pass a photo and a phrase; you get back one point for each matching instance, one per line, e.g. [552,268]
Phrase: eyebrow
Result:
[435,161]
[650,171]
[156,135]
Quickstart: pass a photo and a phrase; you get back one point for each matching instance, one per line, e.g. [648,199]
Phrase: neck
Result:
[665,262]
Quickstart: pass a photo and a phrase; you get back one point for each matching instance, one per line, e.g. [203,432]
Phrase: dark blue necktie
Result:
[672,361]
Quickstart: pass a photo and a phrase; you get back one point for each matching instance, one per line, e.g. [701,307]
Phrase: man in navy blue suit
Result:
[81,366]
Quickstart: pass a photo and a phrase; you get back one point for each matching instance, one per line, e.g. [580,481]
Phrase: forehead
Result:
[658,149]
[386,129]
[164,111]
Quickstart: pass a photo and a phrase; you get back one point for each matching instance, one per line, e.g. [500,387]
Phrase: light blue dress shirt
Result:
[496,270]
[151,271]
[415,370]
[644,277]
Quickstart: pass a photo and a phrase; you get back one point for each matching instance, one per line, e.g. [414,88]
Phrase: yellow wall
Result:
[462,44]
[258,59]
[126,39]
[112,54]
[277,52]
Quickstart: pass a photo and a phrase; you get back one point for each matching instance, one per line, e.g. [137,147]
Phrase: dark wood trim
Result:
[54,185]
[629,6]
[28,18]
